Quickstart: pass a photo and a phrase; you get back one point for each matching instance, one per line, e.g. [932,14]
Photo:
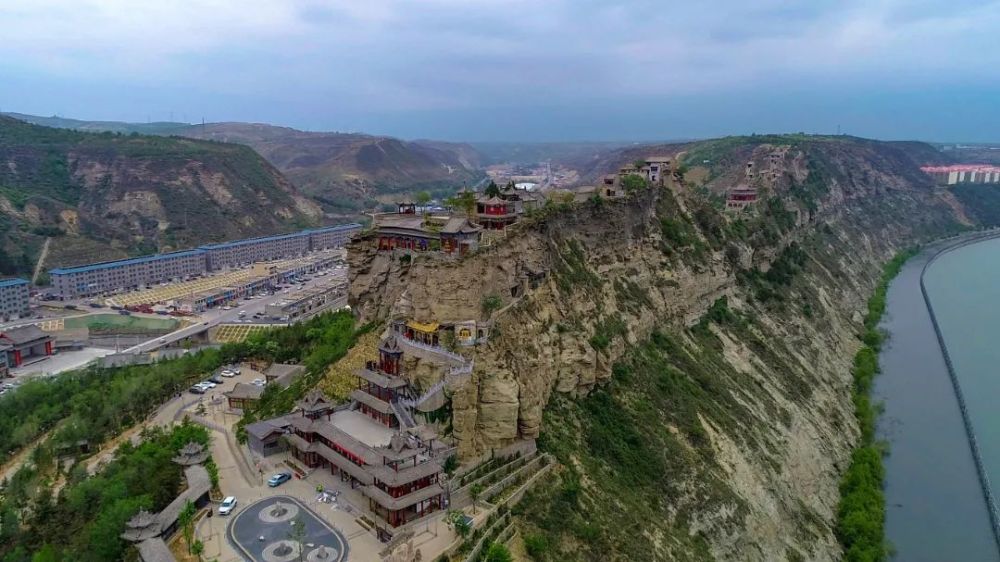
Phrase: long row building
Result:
[134,273]
[963,173]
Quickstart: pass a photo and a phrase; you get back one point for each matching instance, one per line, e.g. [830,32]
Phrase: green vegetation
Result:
[634,182]
[93,404]
[84,522]
[497,552]
[491,303]
[861,513]
[315,343]
[572,271]
[118,324]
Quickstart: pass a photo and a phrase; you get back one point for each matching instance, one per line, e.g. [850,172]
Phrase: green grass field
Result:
[118,321]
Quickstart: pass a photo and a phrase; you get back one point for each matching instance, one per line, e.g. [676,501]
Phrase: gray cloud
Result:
[385,63]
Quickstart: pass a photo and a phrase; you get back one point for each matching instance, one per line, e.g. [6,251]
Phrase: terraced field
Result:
[235,333]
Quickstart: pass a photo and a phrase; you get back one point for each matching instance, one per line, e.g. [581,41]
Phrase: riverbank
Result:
[861,513]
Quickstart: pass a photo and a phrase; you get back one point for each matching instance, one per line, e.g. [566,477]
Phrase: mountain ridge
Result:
[344,172]
[108,195]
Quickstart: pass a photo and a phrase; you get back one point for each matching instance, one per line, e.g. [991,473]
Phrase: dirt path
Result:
[17,461]
[41,260]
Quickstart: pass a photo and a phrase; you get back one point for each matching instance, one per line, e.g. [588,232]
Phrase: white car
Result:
[207,384]
[227,307]
[228,505]
[227,373]
[259,382]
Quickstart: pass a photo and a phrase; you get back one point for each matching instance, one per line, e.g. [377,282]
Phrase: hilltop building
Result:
[963,173]
[407,230]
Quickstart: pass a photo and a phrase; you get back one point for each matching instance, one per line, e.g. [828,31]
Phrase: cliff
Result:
[689,368]
[101,196]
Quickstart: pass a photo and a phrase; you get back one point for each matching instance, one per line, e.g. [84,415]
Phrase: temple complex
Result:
[372,442]
[408,230]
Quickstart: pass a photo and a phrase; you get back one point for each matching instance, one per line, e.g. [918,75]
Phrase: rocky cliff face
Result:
[724,341]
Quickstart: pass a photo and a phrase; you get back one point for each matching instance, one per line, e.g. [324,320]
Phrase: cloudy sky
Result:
[515,69]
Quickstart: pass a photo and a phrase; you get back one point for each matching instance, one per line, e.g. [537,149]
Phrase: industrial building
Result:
[136,273]
[13,299]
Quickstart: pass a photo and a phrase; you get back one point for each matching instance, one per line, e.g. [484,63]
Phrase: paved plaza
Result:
[264,532]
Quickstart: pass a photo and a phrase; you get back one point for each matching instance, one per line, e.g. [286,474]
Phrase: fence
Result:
[984,478]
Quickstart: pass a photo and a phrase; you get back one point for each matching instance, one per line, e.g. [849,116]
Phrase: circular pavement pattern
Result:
[281,551]
[262,532]
[279,512]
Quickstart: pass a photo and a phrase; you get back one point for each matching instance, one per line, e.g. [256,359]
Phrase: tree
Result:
[639,163]
[423,198]
[198,548]
[633,182]
[186,521]
[457,522]
[492,190]
[298,536]
[474,492]
[450,464]
[497,552]
[464,201]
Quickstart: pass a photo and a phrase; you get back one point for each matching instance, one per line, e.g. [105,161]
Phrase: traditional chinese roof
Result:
[393,504]
[421,327]
[314,401]
[141,526]
[459,225]
[24,334]
[380,380]
[190,454]
[372,402]
[244,391]
[492,201]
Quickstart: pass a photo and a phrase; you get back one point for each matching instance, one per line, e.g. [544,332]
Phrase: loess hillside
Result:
[348,171]
[104,195]
[689,368]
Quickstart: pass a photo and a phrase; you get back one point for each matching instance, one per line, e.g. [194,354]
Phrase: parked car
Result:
[228,505]
[279,479]
[259,382]
[227,373]
[215,378]
[95,305]
[207,384]
[197,389]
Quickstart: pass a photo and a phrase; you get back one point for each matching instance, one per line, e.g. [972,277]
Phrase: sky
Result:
[515,70]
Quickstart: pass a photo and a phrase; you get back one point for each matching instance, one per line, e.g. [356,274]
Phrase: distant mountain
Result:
[154,128]
[105,195]
[344,172]
[350,170]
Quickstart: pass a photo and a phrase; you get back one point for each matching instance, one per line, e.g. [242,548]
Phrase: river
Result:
[935,509]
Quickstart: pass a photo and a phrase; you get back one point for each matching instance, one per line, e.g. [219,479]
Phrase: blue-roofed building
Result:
[13,299]
[332,236]
[252,250]
[128,274]
[134,273]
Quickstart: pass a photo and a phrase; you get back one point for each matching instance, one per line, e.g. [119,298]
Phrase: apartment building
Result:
[128,274]
[13,299]
[332,236]
[251,250]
